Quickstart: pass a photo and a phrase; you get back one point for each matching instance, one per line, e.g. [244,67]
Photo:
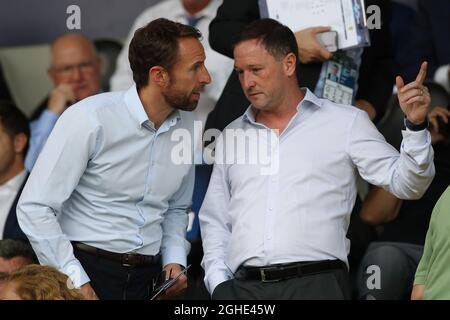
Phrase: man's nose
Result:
[206,77]
[76,74]
[248,80]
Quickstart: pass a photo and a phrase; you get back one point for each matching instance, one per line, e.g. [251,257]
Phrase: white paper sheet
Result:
[301,14]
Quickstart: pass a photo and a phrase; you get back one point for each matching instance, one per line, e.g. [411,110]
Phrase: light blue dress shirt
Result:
[106,178]
[40,129]
[301,211]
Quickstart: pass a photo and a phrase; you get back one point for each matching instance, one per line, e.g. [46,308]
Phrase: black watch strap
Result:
[416,127]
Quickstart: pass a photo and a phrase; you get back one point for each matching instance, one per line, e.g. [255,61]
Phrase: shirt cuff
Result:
[416,138]
[174,255]
[76,273]
[216,279]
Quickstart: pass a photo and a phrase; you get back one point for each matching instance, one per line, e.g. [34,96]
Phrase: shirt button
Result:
[270,209]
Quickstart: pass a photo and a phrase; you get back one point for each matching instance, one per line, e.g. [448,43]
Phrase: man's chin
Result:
[257,104]
[188,107]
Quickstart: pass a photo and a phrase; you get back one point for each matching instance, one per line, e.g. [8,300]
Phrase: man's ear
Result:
[159,76]
[20,142]
[290,64]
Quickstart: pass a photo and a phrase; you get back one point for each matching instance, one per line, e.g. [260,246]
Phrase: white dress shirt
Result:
[105,178]
[8,192]
[301,212]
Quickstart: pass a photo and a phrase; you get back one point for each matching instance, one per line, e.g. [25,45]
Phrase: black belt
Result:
[287,271]
[125,259]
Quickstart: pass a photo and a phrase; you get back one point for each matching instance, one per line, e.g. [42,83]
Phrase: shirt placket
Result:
[271,211]
[149,185]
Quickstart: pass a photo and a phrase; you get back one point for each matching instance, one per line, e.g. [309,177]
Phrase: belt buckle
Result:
[126,260]
[262,272]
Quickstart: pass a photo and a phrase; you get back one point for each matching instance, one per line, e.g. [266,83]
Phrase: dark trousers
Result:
[331,285]
[397,263]
[112,281]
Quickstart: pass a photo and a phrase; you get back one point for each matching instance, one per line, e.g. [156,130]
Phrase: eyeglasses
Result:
[66,71]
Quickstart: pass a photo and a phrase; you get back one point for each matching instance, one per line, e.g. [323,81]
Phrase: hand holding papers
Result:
[346,17]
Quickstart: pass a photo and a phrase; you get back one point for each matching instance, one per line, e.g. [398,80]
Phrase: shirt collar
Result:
[15,183]
[138,113]
[135,106]
[309,98]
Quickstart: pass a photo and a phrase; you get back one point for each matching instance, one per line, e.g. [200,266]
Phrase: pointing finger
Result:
[422,72]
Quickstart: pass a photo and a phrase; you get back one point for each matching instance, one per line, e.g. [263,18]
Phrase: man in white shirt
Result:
[14,134]
[106,203]
[276,229]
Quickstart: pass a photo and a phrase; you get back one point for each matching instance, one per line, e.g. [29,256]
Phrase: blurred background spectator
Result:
[36,282]
[75,70]
[14,136]
[13,255]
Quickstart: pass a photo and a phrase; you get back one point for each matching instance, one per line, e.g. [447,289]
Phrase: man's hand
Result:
[417,293]
[88,292]
[433,117]
[60,97]
[172,270]
[414,97]
[309,49]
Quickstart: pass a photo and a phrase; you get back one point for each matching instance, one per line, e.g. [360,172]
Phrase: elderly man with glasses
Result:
[75,71]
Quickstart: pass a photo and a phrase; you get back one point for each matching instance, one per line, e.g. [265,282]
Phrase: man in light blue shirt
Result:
[274,226]
[106,198]
[75,71]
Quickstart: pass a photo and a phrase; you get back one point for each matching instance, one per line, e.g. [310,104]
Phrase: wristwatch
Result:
[416,127]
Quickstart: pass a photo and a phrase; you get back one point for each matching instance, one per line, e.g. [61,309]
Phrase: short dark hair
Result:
[156,44]
[275,37]
[10,248]
[14,121]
